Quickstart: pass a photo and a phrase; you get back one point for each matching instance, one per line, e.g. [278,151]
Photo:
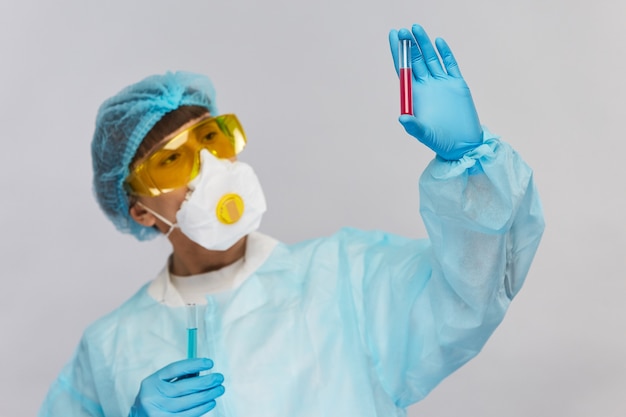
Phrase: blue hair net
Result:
[122,123]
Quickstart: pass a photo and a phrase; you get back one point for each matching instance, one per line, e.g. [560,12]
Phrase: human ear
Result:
[141,215]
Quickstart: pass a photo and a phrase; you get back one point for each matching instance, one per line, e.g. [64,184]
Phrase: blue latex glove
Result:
[445,118]
[168,393]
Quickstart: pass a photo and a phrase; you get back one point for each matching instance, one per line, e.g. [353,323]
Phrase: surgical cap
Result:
[121,124]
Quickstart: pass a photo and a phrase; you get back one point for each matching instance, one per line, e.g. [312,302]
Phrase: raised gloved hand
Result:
[168,393]
[445,118]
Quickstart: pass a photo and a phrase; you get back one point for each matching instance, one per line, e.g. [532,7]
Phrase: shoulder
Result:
[346,246]
[353,239]
[102,329]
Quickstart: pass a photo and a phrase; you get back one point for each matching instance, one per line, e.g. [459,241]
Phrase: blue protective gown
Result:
[355,324]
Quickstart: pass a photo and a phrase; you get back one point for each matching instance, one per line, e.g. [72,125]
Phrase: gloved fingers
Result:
[189,386]
[393,47]
[198,411]
[418,65]
[193,401]
[452,68]
[184,367]
[428,51]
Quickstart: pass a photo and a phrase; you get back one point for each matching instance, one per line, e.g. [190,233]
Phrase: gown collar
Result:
[258,249]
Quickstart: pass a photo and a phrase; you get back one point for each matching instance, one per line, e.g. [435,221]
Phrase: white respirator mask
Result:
[225,202]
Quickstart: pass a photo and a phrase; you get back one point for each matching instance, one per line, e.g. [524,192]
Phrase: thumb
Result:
[413,127]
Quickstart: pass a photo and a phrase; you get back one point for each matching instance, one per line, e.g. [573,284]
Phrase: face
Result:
[165,204]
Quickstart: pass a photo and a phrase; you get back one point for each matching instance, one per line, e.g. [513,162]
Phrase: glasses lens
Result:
[172,166]
[223,136]
[177,162]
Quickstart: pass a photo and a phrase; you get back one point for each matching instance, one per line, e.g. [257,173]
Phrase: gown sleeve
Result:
[73,393]
[429,306]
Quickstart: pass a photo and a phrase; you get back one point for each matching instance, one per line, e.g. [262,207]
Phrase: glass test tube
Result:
[192,330]
[192,334]
[192,337]
[404,65]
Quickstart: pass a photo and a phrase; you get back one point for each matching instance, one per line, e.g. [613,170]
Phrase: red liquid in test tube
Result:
[404,64]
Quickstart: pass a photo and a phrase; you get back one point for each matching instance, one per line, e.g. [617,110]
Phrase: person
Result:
[358,323]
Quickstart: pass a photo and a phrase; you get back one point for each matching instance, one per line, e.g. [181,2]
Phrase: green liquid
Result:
[192,343]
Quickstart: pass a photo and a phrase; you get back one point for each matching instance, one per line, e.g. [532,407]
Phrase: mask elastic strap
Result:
[158,216]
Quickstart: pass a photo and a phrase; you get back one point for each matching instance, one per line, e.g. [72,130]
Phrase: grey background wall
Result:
[314,85]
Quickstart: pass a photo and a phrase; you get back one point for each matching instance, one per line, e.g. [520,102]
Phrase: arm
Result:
[74,391]
[84,381]
[431,308]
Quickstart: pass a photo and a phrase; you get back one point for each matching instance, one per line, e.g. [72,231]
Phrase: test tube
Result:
[404,64]
[192,331]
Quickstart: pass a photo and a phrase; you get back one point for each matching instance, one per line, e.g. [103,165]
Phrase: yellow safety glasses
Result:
[176,162]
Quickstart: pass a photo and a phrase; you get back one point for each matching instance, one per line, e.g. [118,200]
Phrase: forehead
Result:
[147,151]
[181,129]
